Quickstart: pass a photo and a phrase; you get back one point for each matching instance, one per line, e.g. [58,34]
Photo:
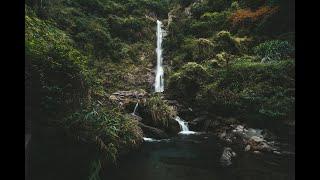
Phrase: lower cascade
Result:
[183,126]
[135,109]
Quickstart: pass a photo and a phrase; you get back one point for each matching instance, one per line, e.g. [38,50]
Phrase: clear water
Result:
[196,157]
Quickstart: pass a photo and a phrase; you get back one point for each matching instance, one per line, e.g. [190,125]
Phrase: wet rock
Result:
[152,132]
[173,127]
[248,139]
[125,98]
[256,139]
[198,123]
[256,152]
[276,152]
[226,157]
[247,148]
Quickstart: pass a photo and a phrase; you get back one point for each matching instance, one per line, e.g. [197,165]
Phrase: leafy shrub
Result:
[108,129]
[235,5]
[128,29]
[225,42]
[197,9]
[216,21]
[159,7]
[197,49]
[274,49]
[63,77]
[251,91]
[187,81]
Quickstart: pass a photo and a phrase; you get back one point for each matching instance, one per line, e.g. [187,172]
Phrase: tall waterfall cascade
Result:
[159,81]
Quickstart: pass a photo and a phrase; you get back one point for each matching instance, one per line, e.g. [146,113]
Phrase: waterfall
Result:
[135,109]
[183,126]
[159,81]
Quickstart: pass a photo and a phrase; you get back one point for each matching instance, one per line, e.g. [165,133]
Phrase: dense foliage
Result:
[274,50]
[230,58]
[78,51]
[226,62]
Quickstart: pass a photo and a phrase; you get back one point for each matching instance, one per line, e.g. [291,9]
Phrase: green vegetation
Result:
[160,111]
[219,53]
[186,83]
[251,91]
[274,49]
[230,58]
[79,52]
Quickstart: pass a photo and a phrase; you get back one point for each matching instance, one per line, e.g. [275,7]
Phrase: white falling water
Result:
[159,81]
[135,109]
[183,126]
[146,139]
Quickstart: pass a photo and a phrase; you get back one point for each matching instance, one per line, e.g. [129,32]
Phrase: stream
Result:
[197,157]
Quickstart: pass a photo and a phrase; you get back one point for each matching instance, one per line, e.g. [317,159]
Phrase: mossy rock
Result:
[158,113]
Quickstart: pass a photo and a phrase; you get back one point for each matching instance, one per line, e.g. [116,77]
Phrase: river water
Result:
[197,157]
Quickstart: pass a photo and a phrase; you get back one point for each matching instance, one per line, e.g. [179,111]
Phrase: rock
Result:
[113,98]
[257,152]
[223,134]
[257,139]
[152,132]
[268,134]
[247,148]
[173,127]
[124,98]
[136,117]
[226,157]
[198,123]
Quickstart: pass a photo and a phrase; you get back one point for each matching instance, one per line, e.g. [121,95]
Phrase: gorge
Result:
[161,89]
